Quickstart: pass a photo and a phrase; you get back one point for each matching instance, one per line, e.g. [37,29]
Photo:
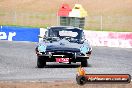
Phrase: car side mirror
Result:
[82,41]
[46,33]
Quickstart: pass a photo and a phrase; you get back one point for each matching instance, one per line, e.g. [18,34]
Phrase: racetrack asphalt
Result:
[18,63]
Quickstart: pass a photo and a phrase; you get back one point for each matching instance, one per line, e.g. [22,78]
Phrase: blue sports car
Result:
[63,44]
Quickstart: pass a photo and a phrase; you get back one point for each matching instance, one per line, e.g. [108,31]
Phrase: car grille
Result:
[63,50]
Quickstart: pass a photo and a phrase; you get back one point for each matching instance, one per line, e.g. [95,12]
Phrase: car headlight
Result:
[84,49]
[41,48]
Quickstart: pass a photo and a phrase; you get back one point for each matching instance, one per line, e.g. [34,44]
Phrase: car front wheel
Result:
[41,62]
[84,63]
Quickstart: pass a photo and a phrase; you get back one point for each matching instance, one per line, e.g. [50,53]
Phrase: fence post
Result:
[57,20]
[101,23]
[15,18]
[1,28]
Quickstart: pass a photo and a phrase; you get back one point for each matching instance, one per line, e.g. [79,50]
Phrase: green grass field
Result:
[116,14]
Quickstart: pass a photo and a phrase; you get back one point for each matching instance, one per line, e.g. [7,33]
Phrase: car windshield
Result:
[65,32]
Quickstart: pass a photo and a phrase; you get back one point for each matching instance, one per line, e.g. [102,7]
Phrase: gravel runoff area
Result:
[18,67]
[58,84]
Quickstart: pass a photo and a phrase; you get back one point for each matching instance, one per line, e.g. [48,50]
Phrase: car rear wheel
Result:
[84,63]
[41,62]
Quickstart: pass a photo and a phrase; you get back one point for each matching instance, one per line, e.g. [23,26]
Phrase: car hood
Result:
[63,45]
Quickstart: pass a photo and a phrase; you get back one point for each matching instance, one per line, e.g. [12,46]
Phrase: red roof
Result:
[64,10]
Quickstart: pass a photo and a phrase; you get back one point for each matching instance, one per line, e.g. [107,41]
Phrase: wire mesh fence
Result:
[27,19]
[115,23]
